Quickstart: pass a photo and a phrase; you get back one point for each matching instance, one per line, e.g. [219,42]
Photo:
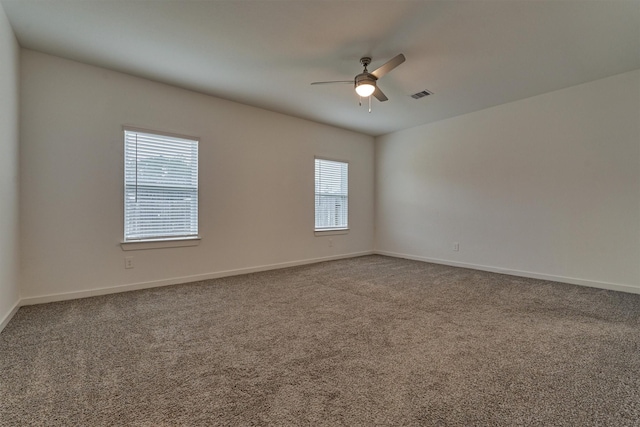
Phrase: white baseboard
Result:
[7,318]
[194,278]
[529,274]
[178,280]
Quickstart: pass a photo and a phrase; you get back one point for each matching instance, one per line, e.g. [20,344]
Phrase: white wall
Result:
[546,187]
[9,200]
[256,181]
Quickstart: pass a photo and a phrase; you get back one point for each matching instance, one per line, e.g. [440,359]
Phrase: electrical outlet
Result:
[128,262]
[456,246]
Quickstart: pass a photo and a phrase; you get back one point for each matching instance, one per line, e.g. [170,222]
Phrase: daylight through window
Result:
[332,195]
[161,186]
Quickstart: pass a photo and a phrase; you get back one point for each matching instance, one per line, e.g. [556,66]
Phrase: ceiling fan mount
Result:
[365,83]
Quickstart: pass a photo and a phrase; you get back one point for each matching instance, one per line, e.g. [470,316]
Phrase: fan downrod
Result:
[365,60]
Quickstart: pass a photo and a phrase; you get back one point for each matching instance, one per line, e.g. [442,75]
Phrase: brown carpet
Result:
[365,341]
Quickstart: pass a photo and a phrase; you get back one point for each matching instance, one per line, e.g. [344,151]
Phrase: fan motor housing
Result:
[365,78]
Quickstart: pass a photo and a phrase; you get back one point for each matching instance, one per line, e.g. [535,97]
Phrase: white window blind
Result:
[161,186]
[332,194]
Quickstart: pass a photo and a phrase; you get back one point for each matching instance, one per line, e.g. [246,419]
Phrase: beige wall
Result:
[256,182]
[546,187]
[9,200]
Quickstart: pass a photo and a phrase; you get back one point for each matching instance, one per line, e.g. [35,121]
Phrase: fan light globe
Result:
[365,89]
[365,84]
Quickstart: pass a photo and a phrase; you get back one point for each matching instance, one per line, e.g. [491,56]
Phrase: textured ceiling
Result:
[471,54]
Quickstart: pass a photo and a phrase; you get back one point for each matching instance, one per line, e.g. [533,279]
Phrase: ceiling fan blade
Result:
[388,66]
[334,81]
[378,94]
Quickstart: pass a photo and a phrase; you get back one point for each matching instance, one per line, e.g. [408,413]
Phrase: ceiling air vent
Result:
[421,94]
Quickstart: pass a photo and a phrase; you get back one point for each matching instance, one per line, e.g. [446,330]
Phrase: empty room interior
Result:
[319,213]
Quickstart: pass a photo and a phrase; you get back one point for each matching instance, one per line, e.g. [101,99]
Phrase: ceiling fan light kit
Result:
[365,86]
[365,82]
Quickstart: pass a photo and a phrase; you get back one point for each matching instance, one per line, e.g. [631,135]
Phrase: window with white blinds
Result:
[161,186]
[332,195]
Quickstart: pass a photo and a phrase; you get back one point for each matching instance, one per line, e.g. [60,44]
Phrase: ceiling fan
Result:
[365,82]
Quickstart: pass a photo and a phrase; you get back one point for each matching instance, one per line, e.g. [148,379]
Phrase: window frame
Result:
[334,230]
[160,241]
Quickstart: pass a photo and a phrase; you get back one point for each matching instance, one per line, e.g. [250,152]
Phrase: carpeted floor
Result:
[358,342]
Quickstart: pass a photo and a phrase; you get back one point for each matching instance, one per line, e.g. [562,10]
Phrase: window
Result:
[332,195]
[161,186]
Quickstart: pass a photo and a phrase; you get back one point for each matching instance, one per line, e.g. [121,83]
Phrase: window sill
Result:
[159,244]
[332,232]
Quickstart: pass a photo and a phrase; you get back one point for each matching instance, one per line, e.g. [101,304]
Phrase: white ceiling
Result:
[471,54]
